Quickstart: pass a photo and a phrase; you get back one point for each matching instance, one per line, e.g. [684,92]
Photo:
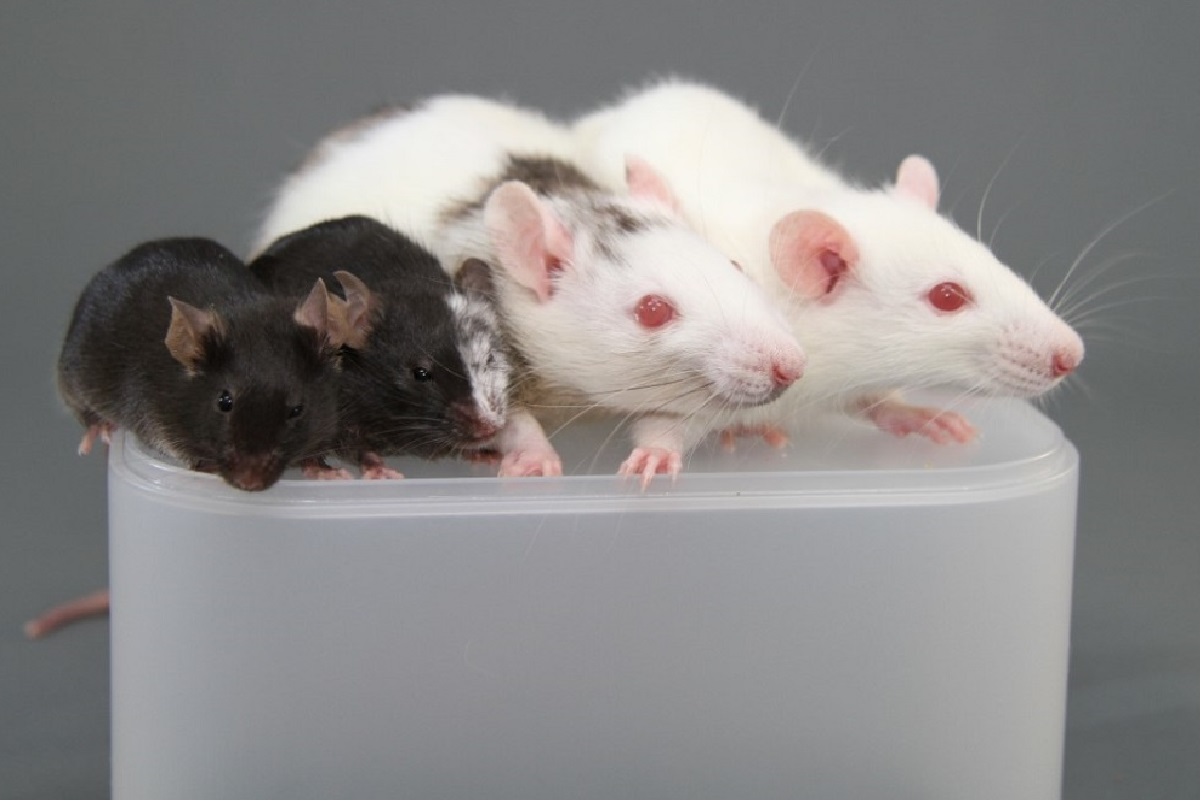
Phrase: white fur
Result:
[582,341]
[403,169]
[735,176]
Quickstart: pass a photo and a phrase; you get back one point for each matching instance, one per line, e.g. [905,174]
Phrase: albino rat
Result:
[885,293]
[610,300]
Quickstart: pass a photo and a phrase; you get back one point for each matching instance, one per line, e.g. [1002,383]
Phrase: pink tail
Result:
[67,613]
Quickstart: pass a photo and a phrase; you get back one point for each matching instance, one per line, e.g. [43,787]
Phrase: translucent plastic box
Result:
[859,616]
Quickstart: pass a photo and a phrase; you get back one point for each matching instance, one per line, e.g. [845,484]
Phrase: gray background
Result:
[128,121]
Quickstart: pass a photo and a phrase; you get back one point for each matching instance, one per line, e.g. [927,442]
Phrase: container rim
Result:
[1049,459]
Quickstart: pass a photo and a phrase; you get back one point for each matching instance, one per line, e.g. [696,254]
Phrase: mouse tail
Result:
[65,614]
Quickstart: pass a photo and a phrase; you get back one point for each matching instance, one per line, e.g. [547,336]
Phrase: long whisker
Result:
[1101,270]
[993,180]
[795,85]
[1097,239]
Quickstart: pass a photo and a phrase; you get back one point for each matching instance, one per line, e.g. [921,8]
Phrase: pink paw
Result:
[102,430]
[935,424]
[772,435]
[381,472]
[646,462]
[374,468]
[530,463]
[319,469]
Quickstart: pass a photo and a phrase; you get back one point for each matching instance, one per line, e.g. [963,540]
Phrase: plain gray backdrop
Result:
[124,121]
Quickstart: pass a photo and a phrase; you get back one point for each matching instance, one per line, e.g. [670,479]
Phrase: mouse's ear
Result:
[917,179]
[187,332]
[811,252]
[644,181]
[475,278]
[531,242]
[315,312]
[354,316]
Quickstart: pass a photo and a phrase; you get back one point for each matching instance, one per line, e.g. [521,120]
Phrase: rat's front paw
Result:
[938,425]
[773,435]
[535,462]
[646,462]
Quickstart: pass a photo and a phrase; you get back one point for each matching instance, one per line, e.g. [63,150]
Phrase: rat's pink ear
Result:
[351,322]
[187,331]
[644,181]
[917,179]
[531,243]
[811,252]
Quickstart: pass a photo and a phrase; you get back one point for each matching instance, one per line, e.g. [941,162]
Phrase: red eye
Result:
[948,296]
[654,311]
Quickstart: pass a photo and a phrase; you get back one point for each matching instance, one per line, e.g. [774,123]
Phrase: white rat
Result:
[885,293]
[611,301]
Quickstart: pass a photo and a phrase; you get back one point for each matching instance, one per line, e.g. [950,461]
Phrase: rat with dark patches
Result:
[430,376]
[615,304]
[177,342]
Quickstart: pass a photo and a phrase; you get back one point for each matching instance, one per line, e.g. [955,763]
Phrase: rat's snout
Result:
[1065,361]
[784,372]
[752,375]
[1066,353]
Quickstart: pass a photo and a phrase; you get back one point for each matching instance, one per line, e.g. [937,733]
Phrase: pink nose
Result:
[785,373]
[1063,362]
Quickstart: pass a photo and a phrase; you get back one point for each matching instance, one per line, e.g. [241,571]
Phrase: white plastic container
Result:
[859,617]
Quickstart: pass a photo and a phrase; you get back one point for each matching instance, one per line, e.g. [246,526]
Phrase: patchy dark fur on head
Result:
[431,376]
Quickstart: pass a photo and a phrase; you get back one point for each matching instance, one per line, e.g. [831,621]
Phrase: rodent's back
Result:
[701,139]
[115,338]
[404,169]
[381,257]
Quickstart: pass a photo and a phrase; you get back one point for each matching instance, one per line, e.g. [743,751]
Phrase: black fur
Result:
[115,366]
[384,408]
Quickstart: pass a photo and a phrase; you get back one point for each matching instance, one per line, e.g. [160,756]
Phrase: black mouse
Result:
[177,342]
[431,375]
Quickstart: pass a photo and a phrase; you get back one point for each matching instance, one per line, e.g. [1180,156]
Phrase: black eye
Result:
[225,401]
[422,374]
[295,411]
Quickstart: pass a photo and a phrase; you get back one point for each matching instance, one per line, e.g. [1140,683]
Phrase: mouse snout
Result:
[477,427]
[253,473]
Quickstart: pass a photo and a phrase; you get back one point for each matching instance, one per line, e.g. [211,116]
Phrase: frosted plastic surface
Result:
[858,616]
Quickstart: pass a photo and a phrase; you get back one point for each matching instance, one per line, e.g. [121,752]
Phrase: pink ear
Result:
[644,181]
[811,252]
[187,331]
[916,178]
[531,242]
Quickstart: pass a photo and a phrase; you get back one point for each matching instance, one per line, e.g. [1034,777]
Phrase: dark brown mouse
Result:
[177,342]
[430,376]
